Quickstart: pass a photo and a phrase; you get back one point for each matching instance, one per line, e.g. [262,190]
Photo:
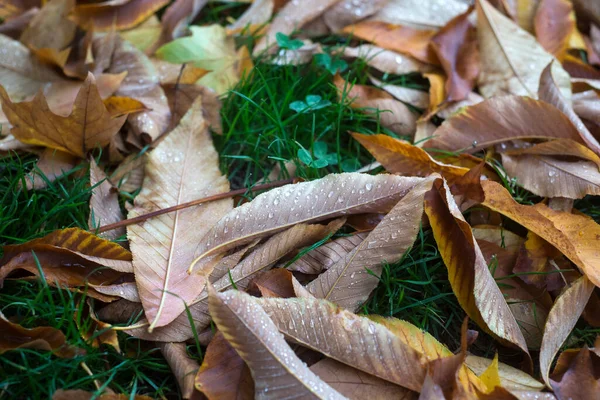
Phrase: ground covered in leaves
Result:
[318,199]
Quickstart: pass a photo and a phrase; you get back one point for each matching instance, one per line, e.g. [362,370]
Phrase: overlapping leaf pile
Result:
[519,107]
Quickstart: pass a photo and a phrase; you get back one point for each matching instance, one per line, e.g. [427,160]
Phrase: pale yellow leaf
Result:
[510,377]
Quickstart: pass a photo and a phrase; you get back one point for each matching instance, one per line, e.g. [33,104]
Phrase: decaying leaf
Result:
[349,282]
[577,379]
[104,203]
[348,338]
[184,368]
[386,60]
[51,165]
[511,59]
[468,273]
[346,12]
[223,374]
[183,167]
[88,126]
[276,370]
[118,15]
[432,14]
[281,208]
[14,336]
[554,24]
[93,330]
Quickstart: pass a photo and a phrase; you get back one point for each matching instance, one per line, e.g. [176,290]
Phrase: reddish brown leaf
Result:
[554,25]
[104,17]
[581,380]
[183,367]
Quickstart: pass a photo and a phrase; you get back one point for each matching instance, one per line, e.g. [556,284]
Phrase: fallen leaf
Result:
[588,9]
[501,119]
[342,335]
[145,36]
[414,97]
[276,370]
[456,48]
[223,374]
[21,74]
[89,124]
[143,84]
[13,27]
[104,16]
[385,60]
[104,203]
[581,380]
[318,200]
[349,282]
[401,39]
[181,97]
[178,16]
[511,378]
[278,282]
[401,157]
[92,330]
[327,255]
[78,394]
[184,368]
[511,59]
[258,14]
[468,273]
[554,24]
[291,17]
[576,236]
[562,318]
[550,93]
[433,14]
[356,384]
[346,12]
[14,336]
[51,165]
[175,74]
[183,167]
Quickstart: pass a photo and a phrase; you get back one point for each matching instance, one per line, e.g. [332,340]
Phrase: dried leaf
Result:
[51,165]
[348,338]
[554,24]
[401,39]
[356,384]
[261,259]
[511,378]
[349,282]
[562,319]
[291,17]
[14,336]
[103,17]
[93,330]
[21,74]
[278,282]
[258,14]
[414,97]
[501,119]
[321,199]
[141,83]
[346,12]
[223,374]
[104,203]
[576,236]
[88,126]
[550,93]
[468,273]
[511,59]
[580,380]
[456,47]
[182,96]
[183,167]
[400,157]
[145,36]
[327,255]
[385,60]
[178,16]
[183,367]
[78,394]
[432,14]
[276,370]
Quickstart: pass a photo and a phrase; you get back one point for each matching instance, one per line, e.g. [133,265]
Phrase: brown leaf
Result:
[178,15]
[346,12]
[414,97]
[550,93]
[501,119]
[327,255]
[349,282]
[291,17]
[78,245]
[275,368]
[581,380]
[348,338]
[456,47]
[511,59]
[182,96]
[258,14]
[93,330]
[400,157]
[141,83]
[554,24]
[385,60]
[21,74]
[468,273]
[185,74]
[13,27]
[89,124]
[433,14]
[259,260]
[14,336]
[51,165]
[561,320]
[78,394]
[104,203]
[576,236]
[356,384]
[223,374]
[104,16]
[183,367]
[318,200]
[183,167]
[401,39]
[278,282]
